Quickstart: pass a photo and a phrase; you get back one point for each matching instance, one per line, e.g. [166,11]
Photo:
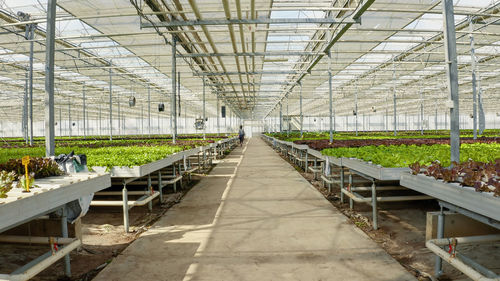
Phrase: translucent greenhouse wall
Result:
[378,123]
[128,126]
[138,126]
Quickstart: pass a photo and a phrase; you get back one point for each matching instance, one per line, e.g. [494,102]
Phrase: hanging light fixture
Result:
[131,101]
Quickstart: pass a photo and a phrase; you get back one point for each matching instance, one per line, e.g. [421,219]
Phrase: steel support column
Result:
[142,119]
[64,234]
[473,66]
[69,119]
[281,118]
[421,123]
[287,118]
[84,110]
[386,116]
[438,264]
[395,115]
[49,79]
[218,115]
[356,110]
[330,94]
[177,101]
[204,116]
[110,103]
[100,125]
[30,79]
[174,87]
[452,77]
[119,116]
[149,110]
[185,118]
[25,112]
[301,116]
[394,98]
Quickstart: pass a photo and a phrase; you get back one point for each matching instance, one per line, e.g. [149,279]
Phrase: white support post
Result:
[31,36]
[149,110]
[288,118]
[174,87]
[473,66]
[281,118]
[421,121]
[330,94]
[452,77]
[119,116]
[49,79]
[84,111]
[394,98]
[301,116]
[356,109]
[100,125]
[110,103]
[69,119]
[218,115]
[204,116]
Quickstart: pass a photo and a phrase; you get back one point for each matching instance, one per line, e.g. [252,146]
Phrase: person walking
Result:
[241,135]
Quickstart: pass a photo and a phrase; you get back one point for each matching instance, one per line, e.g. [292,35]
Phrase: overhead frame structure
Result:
[253,55]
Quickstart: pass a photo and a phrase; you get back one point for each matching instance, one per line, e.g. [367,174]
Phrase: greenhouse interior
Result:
[250,140]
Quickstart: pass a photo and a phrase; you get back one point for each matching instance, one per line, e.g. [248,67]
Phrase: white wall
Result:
[253,127]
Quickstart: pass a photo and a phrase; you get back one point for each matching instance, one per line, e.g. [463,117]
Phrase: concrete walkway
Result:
[254,218]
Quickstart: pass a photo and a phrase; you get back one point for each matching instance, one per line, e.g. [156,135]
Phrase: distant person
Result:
[241,135]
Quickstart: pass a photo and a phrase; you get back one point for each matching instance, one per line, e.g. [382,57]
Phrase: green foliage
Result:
[484,177]
[28,183]
[6,182]
[124,156]
[404,155]
[101,156]
[40,167]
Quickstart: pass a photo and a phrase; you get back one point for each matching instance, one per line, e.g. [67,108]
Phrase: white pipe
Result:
[355,197]
[358,198]
[434,246]
[34,239]
[379,188]
[468,240]
[131,203]
[120,193]
[39,267]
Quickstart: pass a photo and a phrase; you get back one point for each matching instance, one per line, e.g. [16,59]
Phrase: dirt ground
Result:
[103,239]
[401,233]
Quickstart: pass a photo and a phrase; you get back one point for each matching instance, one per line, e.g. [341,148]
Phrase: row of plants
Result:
[12,173]
[479,166]
[108,143]
[397,156]
[323,144]
[295,136]
[482,176]
[106,156]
